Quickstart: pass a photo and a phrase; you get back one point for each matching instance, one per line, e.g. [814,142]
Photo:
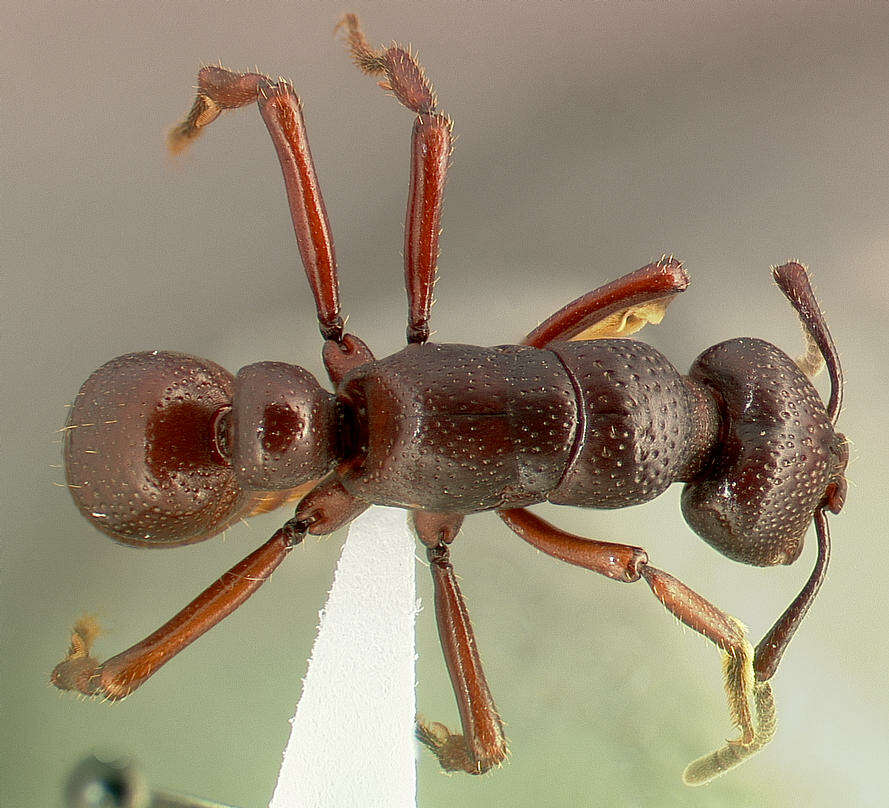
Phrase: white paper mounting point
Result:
[352,736]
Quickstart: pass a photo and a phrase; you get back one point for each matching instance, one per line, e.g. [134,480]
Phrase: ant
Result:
[164,449]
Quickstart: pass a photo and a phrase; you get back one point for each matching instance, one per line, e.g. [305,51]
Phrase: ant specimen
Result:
[164,449]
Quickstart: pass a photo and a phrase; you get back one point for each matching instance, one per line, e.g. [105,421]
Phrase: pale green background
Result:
[591,137]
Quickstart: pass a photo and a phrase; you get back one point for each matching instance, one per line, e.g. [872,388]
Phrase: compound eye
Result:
[143,456]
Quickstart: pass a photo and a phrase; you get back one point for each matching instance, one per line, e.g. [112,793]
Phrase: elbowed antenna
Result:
[793,280]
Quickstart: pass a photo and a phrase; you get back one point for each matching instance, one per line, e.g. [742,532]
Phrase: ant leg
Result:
[328,506]
[340,357]
[430,157]
[617,309]
[324,509]
[482,744]
[281,109]
[433,528]
[626,563]
[122,674]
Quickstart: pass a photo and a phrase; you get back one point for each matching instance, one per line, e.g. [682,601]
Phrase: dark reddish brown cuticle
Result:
[164,449]
[283,426]
[180,438]
[142,456]
[755,502]
[222,439]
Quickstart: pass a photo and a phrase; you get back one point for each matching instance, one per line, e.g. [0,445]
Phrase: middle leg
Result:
[483,744]
[430,157]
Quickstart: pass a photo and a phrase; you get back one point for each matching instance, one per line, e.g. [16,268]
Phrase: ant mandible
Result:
[164,449]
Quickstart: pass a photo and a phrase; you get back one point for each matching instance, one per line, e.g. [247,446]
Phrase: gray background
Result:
[592,137]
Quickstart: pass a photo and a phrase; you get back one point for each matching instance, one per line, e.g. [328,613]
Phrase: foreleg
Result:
[626,563]
[617,309]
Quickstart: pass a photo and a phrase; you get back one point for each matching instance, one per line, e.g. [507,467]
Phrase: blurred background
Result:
[592,137]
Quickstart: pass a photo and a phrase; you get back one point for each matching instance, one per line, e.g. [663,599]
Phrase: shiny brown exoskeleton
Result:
[164,449]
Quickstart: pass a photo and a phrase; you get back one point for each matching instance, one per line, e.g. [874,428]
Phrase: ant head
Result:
[163,448]
[835,495]
[781,459]
[779,455]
